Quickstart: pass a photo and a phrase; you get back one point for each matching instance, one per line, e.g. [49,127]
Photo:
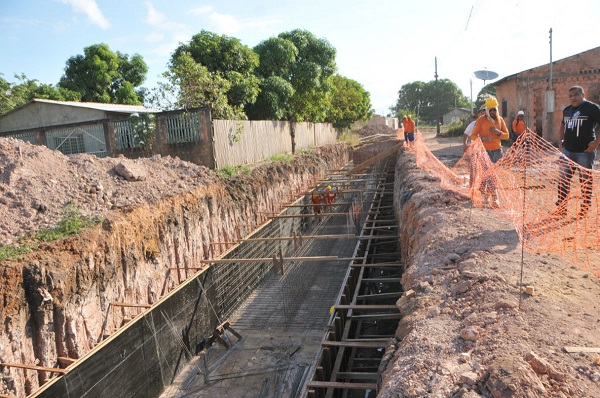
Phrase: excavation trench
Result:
[317,323]
[303,306]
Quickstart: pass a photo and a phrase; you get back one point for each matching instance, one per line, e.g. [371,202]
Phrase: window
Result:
[504,108]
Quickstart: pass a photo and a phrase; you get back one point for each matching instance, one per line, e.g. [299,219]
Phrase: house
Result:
[542,92]
[456,114]
[109,129]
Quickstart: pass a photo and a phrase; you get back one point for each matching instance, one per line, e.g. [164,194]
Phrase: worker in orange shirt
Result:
[329,197]
[409,130]
[490,129]
[316,201]
[404,120]
[518,125]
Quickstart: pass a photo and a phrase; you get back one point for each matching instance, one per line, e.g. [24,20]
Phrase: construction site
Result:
[242,288]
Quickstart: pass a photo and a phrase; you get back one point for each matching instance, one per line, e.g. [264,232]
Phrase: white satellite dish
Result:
[485,75]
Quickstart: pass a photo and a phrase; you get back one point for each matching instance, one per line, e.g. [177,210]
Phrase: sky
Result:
[380,44]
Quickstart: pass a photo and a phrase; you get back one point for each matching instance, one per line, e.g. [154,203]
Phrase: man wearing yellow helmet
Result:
[490,129]
[329,197]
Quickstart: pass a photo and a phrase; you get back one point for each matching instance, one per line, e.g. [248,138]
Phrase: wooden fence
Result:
[242,142]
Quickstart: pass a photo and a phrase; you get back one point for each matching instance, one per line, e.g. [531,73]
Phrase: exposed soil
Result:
[469,331]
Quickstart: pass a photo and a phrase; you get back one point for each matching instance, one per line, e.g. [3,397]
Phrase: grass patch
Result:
[351,138]
[230,171]
[71,223]
[282,157]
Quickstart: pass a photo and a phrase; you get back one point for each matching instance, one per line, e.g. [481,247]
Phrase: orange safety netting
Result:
[524,185]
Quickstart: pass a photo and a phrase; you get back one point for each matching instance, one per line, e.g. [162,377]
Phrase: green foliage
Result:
[24,90]
[191,85]
[144,128]
[307,64]
[349,103]
[225,58]
[72,222]
[430,99]
[351,138]
[456,128]
[101,75]
[282,157]
[231,171]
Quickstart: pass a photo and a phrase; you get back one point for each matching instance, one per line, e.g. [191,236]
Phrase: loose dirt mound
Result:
[374,129]
[37,185]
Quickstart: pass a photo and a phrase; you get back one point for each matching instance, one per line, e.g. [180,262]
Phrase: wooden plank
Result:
[367,307]
[131,305]
[583,349]
[375,317]
[341,385]
[376,158]
[32,367]
[355,344]
[66,361]
[358,376]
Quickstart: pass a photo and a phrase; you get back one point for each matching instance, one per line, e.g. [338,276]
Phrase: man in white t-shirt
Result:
[469,130]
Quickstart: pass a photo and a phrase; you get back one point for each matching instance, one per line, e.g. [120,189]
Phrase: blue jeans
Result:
[566,171]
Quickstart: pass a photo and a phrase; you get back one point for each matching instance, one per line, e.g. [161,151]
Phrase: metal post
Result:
[437,102]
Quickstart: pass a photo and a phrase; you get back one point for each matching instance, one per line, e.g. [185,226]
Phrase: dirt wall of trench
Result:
[56,301]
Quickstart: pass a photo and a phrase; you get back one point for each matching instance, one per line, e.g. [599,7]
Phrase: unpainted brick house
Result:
[543,99]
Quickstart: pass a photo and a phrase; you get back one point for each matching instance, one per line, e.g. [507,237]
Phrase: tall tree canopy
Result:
[101,75]
[424,98]
[190,85]
[304,61]
[349,103]
[227,58]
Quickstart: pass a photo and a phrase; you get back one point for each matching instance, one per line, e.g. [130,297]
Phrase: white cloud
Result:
[91,10]
[201,10]
[224,23]
[154,37]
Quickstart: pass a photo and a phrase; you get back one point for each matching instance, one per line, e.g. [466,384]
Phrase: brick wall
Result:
[526,90]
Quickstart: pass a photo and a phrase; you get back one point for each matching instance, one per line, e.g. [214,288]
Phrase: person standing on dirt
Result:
[578,143]
[518,126]
[490,129]
[404,120]
[409,130]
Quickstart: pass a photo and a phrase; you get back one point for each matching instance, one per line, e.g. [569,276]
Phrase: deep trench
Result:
[319,328]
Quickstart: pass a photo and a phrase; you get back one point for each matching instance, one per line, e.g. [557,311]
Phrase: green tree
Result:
[101,75]
[13,94]
[227,58]
[307,64]
[349,103]
[190,85]
[430,100]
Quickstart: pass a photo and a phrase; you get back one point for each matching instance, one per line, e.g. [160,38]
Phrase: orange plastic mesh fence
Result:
[524,186]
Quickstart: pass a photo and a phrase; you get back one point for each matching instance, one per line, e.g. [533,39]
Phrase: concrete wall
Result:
[527,90]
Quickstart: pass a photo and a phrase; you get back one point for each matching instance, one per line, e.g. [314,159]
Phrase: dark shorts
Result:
[410,137]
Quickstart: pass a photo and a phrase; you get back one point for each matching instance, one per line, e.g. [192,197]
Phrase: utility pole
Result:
[437,102]
[550,100]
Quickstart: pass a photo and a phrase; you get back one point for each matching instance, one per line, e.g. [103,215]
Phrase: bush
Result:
[351,138]
[230,171]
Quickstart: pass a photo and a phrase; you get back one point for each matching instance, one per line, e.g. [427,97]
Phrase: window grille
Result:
[125,135]
[27,136]
[184,127]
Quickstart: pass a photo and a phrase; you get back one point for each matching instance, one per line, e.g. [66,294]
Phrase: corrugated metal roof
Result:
[101,106]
